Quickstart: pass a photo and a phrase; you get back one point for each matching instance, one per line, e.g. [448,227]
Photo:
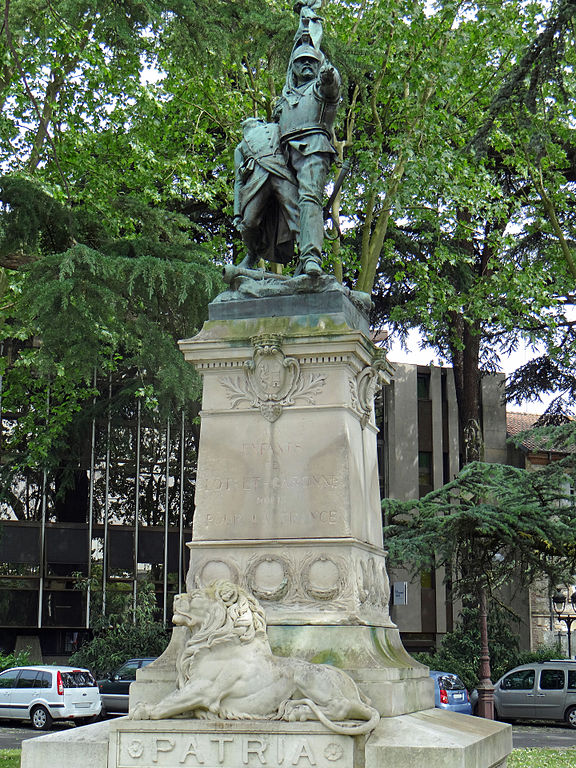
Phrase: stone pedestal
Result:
[432,738]
[287,492]
[173,743]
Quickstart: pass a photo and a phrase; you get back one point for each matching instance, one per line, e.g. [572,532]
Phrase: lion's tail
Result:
[345,730]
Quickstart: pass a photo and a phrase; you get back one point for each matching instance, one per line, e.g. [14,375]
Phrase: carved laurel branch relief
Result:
[272,381]
[373,583]
[364,385]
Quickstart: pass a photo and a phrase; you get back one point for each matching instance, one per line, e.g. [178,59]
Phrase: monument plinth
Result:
[287,499]
[287,472]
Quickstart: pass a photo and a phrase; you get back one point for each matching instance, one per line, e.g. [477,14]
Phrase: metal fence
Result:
[127,519]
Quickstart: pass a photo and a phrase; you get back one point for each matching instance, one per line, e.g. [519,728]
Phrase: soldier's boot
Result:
[250,261]
[310,266]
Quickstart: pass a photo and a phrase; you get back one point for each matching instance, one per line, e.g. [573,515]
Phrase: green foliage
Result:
[545,653]
[112,646]
[20,659]
[121,633]
[460,649]
[493,524]
[551,373]
[116,310]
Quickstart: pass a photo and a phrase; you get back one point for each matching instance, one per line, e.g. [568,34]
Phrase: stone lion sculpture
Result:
[227,670]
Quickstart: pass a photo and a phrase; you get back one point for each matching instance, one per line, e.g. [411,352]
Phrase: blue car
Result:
[450,693]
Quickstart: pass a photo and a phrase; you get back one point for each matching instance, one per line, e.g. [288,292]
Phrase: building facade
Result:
[544,626]
[420,451]
[61,566]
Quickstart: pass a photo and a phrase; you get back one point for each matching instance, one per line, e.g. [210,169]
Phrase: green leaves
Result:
[491,524]
[122,632]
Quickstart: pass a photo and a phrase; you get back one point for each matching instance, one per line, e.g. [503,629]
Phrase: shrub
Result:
[460,649]
[122,635]
[20,659]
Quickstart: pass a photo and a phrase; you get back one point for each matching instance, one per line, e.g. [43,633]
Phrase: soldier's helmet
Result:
[306,52]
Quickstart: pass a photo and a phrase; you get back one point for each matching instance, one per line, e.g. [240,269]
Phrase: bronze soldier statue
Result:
[305,113]
[281,168]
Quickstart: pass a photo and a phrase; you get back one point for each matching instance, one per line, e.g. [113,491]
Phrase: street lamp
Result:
[559,601]
[485,686]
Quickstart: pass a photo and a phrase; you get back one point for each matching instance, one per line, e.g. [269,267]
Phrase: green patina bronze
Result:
[281,167]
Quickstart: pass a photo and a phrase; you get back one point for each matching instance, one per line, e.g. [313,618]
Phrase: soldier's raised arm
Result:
[329,82]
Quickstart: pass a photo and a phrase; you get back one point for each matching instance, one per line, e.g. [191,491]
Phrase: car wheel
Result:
[571,717]
[41,719]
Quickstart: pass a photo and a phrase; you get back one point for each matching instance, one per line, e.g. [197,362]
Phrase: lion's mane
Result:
[233,615]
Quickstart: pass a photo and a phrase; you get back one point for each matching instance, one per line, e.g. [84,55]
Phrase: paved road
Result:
[12,737]
[553,735]
[523,736]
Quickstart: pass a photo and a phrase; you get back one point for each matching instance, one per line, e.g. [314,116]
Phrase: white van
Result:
[44,694]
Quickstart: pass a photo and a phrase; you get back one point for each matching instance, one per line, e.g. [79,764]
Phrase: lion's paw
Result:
[140,712]
[297,713]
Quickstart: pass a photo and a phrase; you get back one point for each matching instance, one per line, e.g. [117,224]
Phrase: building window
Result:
[423,386]
[425,484]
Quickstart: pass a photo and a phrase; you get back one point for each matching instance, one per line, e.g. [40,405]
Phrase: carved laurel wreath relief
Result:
[317,578]
[270,577]
[272,381]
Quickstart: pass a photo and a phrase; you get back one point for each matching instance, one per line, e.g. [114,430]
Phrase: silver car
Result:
[543,691]
[47,693]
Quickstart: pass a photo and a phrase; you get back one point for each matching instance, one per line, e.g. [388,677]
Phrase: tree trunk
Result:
[466,366]
[465,338]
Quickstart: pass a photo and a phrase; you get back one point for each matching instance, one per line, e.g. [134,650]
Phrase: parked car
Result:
[114,690]
[450,693]
[43,694]
[540,691]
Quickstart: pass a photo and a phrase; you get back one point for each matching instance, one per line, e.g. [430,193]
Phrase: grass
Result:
[10,758]
[520,758]
[542,758]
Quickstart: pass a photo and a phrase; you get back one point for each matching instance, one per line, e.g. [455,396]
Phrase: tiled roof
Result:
[520,422]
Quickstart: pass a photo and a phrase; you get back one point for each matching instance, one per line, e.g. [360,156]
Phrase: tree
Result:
[472,258]
[524,522]
[103,271]
[477,254]
[550,373]
[122,632]
[492,525]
